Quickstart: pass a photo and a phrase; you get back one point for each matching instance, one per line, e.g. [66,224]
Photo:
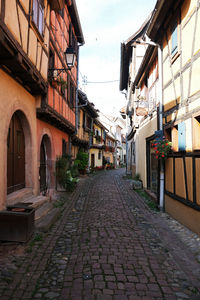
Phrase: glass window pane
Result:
[174,39]
[40,25]
[35,11]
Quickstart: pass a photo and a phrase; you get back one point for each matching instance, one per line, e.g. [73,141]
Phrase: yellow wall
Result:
[82,134]
[109,155]
[98,162]
[184,214]
[145,131]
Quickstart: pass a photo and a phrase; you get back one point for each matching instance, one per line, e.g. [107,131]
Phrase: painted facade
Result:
[56,113]
[23,80]
[173,32]
[37,118]
[179,32]
[132,54]
[97,146]
[109,151]
[85,118]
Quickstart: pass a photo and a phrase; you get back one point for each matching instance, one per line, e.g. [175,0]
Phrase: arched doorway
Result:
[45,164]
[15,155]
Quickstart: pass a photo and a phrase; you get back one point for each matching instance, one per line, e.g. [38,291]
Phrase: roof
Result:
[76,21]
[126,52]
[83,100]
[160,13]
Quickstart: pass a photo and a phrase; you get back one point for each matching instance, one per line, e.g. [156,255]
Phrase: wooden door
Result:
[92,160]
[15,156]
[43,186]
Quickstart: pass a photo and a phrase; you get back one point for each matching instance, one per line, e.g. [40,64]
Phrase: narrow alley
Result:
[107,244]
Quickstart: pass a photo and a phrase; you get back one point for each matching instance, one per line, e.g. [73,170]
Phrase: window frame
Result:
[37,13]
[175,38]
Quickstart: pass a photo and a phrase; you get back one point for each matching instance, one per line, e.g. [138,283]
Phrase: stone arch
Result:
[46,166]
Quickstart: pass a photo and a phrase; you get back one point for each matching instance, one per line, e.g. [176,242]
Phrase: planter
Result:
[17,223]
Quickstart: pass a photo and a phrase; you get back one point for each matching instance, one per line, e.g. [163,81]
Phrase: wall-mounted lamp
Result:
[70,57]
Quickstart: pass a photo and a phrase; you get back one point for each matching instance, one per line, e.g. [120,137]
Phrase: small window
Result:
[174,38]
[99,155]
[38,15]
[64,147]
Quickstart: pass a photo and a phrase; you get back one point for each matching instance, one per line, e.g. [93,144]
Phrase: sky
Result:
[106,24]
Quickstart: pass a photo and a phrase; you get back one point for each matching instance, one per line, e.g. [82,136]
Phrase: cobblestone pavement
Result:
[107,245]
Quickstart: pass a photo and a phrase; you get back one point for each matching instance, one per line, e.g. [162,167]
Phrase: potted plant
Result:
[162,148]
[82,161]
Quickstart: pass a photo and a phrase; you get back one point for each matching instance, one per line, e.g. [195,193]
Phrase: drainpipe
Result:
[77,83]
[160,68]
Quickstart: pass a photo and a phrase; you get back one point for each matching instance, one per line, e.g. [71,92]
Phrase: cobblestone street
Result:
[107,244]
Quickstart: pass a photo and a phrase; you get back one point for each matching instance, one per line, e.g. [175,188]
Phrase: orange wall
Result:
[55,136]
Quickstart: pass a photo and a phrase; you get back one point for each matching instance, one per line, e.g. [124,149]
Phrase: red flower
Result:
[156,156]
[163,155]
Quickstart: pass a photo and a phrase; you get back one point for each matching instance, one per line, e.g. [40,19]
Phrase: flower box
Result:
[17,223]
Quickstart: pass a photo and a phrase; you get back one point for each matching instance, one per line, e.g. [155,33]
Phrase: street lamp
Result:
[70,57]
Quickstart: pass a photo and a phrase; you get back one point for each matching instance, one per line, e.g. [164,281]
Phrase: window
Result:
[174,38]
[89,122]
[64,147]
[72,39]
[79,113]
[38,15]
[99,155]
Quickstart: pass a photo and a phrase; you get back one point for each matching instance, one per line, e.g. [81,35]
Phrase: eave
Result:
[50,116]
[160,14]
[89,107]
[57,5]
[96,146]
[76,22]
[79,142]
[126,52]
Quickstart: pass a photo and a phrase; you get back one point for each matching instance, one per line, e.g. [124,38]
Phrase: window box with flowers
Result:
[162,148]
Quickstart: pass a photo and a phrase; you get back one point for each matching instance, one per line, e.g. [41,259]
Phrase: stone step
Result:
[19,196]
[44,223]
[42,210]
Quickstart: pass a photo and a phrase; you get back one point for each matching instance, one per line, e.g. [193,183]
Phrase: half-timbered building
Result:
[24,48]
[175,25]
[56,114]
[37,119]
[86,113]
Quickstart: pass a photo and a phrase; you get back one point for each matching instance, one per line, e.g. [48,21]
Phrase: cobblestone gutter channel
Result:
[106,245]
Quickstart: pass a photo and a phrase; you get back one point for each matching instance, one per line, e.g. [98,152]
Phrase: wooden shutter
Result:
[181,136]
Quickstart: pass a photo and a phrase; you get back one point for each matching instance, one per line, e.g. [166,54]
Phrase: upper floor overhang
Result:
[159,15]
[88,106]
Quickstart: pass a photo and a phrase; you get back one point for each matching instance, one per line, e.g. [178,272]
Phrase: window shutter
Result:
[181,136]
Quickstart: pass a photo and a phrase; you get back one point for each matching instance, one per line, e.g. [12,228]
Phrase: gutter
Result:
[76,22]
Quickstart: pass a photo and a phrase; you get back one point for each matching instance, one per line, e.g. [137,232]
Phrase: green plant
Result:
[62,83]
[63,173]
[38,237]
[137,177]
[81,160]
[162,148]
[151,204]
